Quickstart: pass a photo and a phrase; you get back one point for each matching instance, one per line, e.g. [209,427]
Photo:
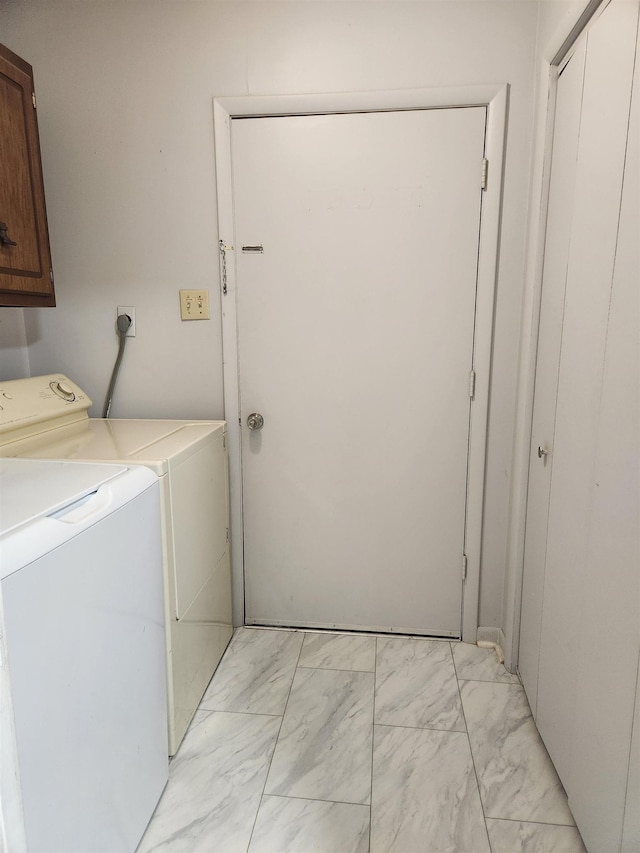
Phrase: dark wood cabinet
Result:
[26,275]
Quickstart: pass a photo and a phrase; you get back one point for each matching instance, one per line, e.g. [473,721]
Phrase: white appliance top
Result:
[36,422]
[31,488]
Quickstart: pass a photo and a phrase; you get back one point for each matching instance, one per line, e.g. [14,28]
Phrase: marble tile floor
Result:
[330,743]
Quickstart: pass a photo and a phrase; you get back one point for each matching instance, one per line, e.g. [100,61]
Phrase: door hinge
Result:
[227,534]
[485,172]
[472,384]
[464,567]
[33,99]
[224,441]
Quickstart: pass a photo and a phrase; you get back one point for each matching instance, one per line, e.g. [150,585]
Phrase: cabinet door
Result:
[26,277]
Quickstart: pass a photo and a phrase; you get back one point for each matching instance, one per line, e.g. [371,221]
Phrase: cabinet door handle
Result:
[5,240]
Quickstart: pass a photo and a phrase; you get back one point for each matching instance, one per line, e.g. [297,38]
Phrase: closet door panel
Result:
[607,660]
[557,241]
[603,133]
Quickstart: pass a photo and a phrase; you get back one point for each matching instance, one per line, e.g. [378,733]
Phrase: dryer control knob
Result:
[63,390]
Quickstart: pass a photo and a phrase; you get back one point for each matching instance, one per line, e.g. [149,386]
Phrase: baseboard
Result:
[503,640]
[490,635]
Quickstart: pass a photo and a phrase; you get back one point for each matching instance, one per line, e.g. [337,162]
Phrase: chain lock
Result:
[223,254]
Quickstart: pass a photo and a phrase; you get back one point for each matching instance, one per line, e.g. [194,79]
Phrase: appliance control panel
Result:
[31,406]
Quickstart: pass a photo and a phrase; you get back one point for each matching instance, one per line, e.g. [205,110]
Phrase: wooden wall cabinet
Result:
[26,274]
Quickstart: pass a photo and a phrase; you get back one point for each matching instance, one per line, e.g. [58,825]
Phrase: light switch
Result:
[194,304]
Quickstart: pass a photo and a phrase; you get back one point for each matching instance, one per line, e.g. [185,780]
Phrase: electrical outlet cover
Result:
[131,312]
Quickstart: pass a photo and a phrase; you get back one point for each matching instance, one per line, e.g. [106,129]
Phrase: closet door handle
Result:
[542,452]
[5,240]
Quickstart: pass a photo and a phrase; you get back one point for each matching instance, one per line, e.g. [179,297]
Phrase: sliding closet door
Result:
[559,219]
[601,156]
[609,646]
[580,615]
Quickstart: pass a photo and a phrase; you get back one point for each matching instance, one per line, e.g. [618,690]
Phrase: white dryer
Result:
[45,417]
[83,721]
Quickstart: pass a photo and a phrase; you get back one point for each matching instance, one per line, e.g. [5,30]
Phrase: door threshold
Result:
[356,632]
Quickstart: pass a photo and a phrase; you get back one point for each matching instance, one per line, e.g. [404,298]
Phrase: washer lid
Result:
[31,488]
[130,441]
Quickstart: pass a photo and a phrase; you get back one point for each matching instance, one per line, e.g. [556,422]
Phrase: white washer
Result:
[46,417]
[83,723]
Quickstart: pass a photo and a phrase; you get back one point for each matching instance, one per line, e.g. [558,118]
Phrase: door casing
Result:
[494,98]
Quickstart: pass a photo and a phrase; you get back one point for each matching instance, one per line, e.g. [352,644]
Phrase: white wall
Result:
[555,22]
[14,353]
[125,91]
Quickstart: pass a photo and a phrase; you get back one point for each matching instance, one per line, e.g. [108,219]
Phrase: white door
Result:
[556,260]
[355,344]
[578,441]
[581,584]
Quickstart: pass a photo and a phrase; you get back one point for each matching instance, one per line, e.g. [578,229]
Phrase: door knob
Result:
[542,452]
[255,421]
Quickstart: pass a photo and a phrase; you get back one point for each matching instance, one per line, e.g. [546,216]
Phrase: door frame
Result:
[495,98]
